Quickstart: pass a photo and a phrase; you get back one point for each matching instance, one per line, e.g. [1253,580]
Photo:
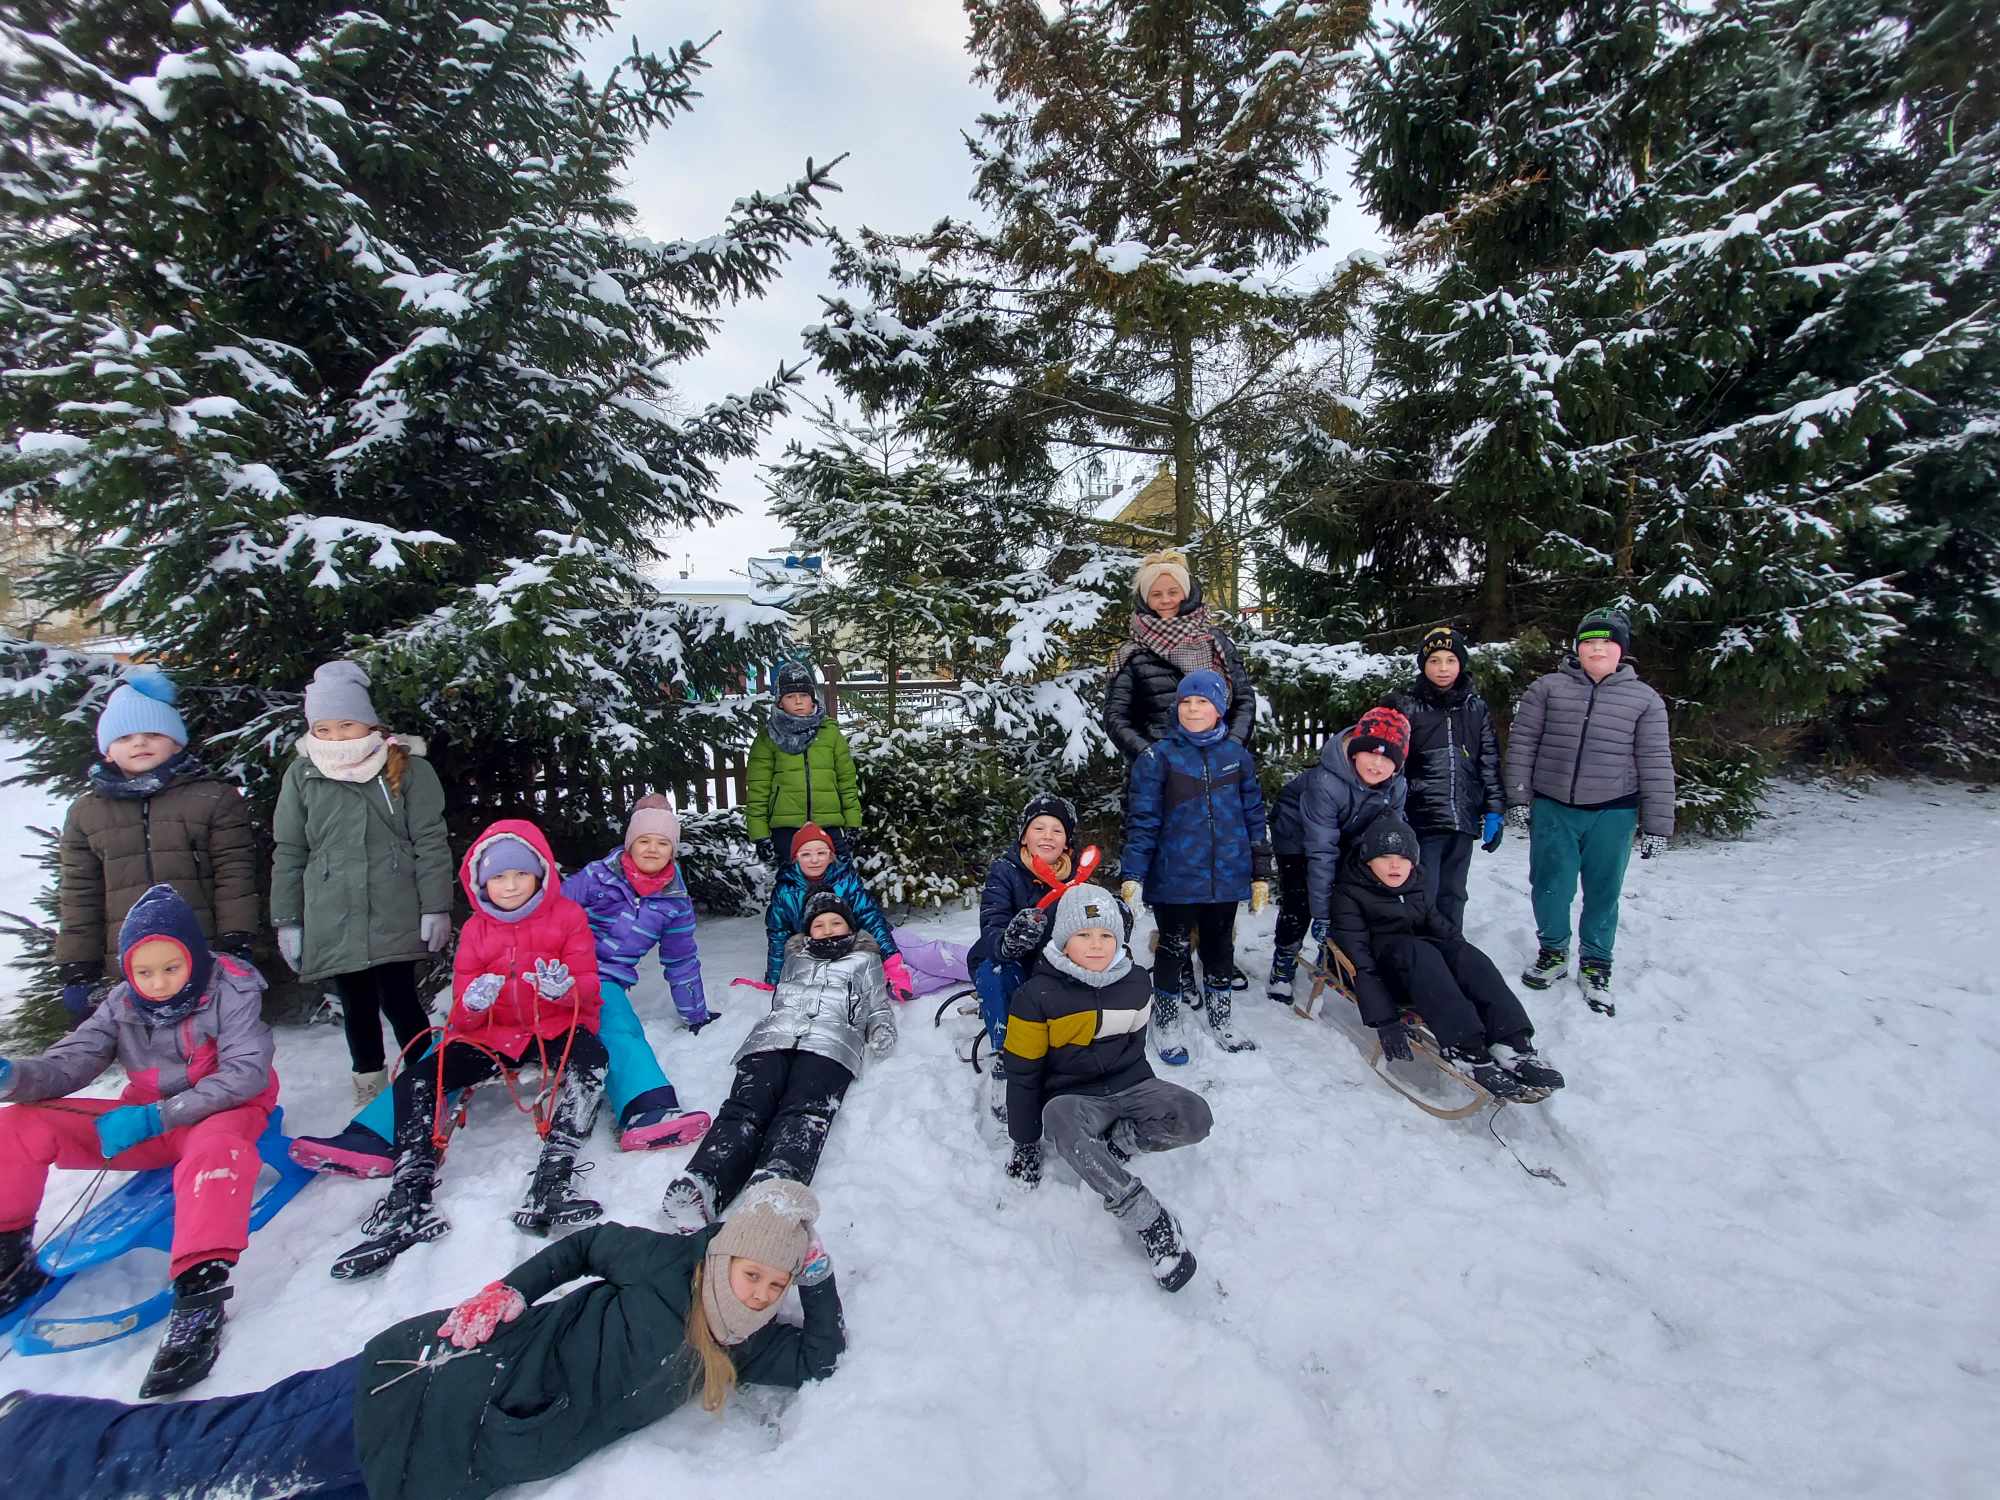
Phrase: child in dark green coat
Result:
[800,772]
[504,1389]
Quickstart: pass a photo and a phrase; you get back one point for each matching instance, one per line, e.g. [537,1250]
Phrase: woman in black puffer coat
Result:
[1171,637]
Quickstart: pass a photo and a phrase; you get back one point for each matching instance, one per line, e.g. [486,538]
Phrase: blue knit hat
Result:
[163,913]
[509,853]
[1206,684]
[142,704]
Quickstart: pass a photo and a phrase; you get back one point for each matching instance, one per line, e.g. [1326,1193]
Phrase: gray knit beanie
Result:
[1081,908]
[653,815]
[339,690]
[771,1223]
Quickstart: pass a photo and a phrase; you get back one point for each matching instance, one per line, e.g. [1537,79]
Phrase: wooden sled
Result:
[1423,1046]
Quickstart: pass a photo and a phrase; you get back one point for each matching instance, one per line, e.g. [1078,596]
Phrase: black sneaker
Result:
[194,1330]
[1477,1064]
[1525,1063]
[1165,1247]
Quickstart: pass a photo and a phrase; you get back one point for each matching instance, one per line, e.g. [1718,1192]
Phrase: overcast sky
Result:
[887,81]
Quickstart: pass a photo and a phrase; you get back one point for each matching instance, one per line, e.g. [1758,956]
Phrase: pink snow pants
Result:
[215,1166]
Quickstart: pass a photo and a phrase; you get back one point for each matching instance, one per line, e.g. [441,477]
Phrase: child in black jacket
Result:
[1456,793]
[1076,1064]
[1406,953]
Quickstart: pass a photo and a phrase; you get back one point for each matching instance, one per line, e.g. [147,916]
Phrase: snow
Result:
[1769,1272]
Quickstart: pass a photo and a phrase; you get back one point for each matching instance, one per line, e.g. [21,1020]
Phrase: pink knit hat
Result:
[653,814]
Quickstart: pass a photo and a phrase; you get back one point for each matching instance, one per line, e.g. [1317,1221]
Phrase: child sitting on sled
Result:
[525,981]
[830,1007]
[1406,953]
[186,1026]
[816,865]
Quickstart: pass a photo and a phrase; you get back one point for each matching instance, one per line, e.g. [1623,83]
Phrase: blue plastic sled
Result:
[139,1216]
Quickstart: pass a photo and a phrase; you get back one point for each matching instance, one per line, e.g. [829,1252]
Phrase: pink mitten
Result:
[472,1322]
[901,985]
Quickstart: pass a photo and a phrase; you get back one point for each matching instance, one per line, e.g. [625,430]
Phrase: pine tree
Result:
[328,334]
[1152,174]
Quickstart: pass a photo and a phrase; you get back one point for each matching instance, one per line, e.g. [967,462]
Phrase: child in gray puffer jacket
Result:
[831,1008]
[1588,763]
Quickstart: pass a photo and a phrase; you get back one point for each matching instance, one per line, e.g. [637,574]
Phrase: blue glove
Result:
[76,1000]
[125,1128]
[1319,929]
[6,1072]
[1495,829]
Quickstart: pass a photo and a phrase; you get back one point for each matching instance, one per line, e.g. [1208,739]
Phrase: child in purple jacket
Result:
[636,900]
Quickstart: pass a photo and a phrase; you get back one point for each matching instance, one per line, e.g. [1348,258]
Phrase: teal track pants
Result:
[634,1069]
[1567,844]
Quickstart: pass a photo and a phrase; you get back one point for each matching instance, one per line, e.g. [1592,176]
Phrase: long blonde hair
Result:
[717,1376]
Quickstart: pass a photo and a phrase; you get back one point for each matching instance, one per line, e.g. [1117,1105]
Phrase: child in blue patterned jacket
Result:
[1194,844]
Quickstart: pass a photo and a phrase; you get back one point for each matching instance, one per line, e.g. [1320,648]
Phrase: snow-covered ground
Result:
[1771,1267]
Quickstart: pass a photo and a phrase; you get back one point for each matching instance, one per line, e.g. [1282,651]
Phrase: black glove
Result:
[1025,1166]
[708,1020]
[767,850]
[1029,926]
[1395,1041]
[237,945]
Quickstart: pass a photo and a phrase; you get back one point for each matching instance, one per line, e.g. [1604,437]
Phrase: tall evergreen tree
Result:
[1153,173]
[327,333]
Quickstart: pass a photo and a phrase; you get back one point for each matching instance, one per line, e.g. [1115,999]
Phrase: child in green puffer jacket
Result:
[801,772]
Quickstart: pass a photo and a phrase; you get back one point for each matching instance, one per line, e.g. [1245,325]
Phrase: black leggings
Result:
[1214,922]
[775,1120]
[366,996]
[1294,901]
[576,1101]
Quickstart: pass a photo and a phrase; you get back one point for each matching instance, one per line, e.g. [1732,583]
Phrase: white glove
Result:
[1129,893]
[1651,844]
[292,945]
[1519,817]
[551,979]
[434,927]
[880,1040]
[482,991]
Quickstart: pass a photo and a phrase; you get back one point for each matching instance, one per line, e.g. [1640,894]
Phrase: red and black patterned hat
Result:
[1383,730]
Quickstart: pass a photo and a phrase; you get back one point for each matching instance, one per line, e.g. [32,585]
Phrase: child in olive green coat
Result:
[362,879]
[800,772]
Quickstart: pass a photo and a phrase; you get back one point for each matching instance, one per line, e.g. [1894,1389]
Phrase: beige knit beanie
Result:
[770,1223]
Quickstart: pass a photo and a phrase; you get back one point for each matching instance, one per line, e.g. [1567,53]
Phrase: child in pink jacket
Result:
[186,1026]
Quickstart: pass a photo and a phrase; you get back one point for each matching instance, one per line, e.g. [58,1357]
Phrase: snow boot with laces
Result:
[1477,1063]
[552,1202]
[689,1204]
[1594,974]
[1520,1058]
[21,1277]
[1284,968]
[1550,965]
[1159,1235]
[194,1330]
[402,1218]
[1226,1036]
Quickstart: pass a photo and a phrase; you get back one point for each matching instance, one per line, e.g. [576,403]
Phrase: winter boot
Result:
[194,1330]
[1550,965]
[356,1152]
[1594,974]
[996,1088]
[1227,1037]
[403,1218]
[21,1278]
[689,1204]
[655,1120]
[1284,966]
[1166,1028]
[1159,1235]
[1520,1058]
[552,1202]
[368,1085]
[1477,1063]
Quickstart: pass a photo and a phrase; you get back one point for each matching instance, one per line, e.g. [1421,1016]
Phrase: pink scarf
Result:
[646,885]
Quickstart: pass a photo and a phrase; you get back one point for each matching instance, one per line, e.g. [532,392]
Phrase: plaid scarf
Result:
[1187,640]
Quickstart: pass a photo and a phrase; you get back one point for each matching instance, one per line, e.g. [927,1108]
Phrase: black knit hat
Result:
[1444,638]
[1388,834]
[820,903]
[1048,805]
[795,677]
[1606,624]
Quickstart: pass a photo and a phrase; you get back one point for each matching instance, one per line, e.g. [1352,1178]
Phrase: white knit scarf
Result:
[348,760]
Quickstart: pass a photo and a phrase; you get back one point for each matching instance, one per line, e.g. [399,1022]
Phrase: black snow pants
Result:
[575,1111]
[775,1120]
[1463,999]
